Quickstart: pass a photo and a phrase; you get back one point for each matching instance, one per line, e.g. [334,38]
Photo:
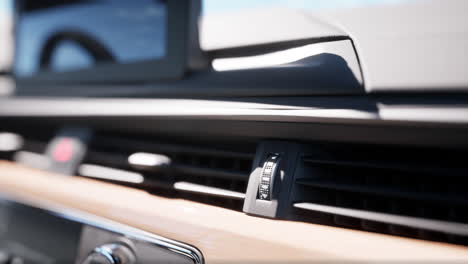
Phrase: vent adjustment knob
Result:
[114,253]
[265,187]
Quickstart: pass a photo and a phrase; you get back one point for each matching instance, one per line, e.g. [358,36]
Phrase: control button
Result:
[63,150]
[111,254]
[67,149]
[99,258]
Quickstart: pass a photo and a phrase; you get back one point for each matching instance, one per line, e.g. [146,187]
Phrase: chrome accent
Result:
[32,159]
[267,60]
[114,253]
[203,189]
[148,160]
[415,222]
[10,142]
[267,177]
[100,252]
[109,225]
[225,110]
[108,173]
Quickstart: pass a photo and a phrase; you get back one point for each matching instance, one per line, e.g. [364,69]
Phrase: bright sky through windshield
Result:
[218,6]
[5,5]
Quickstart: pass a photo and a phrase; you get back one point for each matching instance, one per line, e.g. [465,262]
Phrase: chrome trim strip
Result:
[415,222]
[109,225]
[226,110]
[203,189]
[266,60]
[108,173]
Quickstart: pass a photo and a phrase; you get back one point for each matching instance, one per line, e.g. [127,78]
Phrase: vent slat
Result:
[425,168]
[138,145]
[386,192]
[208,172]
[406,191]
[420,223]
[107,159]
[119,161]
[109,173]
[212,191]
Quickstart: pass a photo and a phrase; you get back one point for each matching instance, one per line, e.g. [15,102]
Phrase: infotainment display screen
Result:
[104,41]
[81,34]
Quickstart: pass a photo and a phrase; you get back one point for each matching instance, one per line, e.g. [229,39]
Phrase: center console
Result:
[34,235]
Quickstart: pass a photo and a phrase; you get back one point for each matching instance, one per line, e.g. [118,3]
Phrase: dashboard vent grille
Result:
[214,173]
[408,192]
[29,144]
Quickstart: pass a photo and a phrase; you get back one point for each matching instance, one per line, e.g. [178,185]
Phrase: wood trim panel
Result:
[222,235]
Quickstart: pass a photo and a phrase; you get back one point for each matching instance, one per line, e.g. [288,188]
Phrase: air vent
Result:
[25,144]
[210,172]
[420,193]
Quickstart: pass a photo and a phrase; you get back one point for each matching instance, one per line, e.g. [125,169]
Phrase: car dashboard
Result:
[353,149]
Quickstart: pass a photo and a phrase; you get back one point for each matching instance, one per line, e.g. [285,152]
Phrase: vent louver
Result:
[405,191]
[212,173]
[33,139]
[417,193]
[30,144]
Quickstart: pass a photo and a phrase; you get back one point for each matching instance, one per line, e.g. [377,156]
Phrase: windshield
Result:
[216,6]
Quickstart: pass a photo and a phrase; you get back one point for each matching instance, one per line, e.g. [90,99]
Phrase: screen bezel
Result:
[181,40]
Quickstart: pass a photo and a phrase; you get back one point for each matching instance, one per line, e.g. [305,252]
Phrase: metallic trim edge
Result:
[109,225]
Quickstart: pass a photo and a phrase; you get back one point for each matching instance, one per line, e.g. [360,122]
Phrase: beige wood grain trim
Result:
[222,235]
